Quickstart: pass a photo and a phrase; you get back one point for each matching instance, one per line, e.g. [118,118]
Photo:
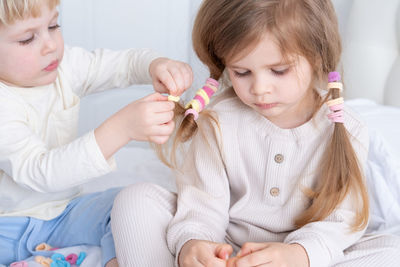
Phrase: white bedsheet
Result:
[383,168]
[137,162]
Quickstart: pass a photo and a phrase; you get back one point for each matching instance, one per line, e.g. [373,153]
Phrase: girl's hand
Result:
[271,255]
[170,76]
[198,253]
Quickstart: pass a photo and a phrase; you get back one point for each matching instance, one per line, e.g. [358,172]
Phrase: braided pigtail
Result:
[202,98]
[340,171]
[186,120]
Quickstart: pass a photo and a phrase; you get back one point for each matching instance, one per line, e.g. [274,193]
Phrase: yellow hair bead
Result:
[43,247]
[173,98]
[335,85]
[204,95]
[335,101]
[195,104]
[46,262]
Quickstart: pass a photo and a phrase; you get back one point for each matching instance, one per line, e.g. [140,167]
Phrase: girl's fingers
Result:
[257,258]
[224,251]
[249,247]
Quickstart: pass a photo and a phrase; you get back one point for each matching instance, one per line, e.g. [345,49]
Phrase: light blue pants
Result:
[85,221]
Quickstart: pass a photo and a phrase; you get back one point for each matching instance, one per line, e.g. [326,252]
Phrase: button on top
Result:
[274,191]
[278,158]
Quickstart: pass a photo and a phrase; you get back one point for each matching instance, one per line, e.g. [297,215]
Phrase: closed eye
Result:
[241,74]
[27,41]
[54,27]
[279,72]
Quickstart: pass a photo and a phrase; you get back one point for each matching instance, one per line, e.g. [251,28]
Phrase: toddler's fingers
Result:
[188,76]
[163,129]
[162,133]
[161,118]
[179,79]
[167,82]
[157,107]
[154,97]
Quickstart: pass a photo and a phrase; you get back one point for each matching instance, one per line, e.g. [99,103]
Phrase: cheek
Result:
[20,62]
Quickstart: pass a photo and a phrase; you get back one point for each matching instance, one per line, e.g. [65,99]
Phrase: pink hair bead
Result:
[333,76]
[212,82]
[193,112]
[19,264]
[72,258]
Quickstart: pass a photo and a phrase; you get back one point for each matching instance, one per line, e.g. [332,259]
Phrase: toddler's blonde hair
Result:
[14,10]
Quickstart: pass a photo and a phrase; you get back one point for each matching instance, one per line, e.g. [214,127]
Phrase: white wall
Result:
[163,25]
[370,31]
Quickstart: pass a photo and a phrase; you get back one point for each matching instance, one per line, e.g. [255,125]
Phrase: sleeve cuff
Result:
[185,238]
[176,239]
[146,58]
[318,253]
[102,165]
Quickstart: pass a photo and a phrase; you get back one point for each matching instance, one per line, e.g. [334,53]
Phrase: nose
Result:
[261,86]
[49,44]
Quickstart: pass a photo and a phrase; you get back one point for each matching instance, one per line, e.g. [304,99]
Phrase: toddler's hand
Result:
[170,76]
[273,254]
[204,253]
[149,119]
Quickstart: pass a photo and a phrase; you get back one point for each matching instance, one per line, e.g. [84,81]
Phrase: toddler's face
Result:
[278,90]
[31,50]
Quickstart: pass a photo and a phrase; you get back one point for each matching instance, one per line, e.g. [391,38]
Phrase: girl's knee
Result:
[133,193]
[144,196]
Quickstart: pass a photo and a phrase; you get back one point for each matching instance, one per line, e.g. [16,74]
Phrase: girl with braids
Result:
[274,175]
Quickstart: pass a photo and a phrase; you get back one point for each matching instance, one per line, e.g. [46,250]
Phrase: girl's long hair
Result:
[227,29]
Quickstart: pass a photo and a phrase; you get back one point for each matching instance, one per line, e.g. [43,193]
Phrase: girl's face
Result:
[31,50]
[278,90]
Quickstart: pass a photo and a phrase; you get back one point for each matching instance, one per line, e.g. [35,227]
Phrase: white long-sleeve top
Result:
[249,187]
[42,162]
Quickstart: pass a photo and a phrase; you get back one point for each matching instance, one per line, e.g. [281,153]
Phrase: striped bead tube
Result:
[203,95]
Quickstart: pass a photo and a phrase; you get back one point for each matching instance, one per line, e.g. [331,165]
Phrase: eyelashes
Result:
[241,74]
[54,27]
[32,38]
[276,72]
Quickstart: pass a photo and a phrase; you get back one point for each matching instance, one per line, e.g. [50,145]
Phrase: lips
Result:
[266,105]
[52,66]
